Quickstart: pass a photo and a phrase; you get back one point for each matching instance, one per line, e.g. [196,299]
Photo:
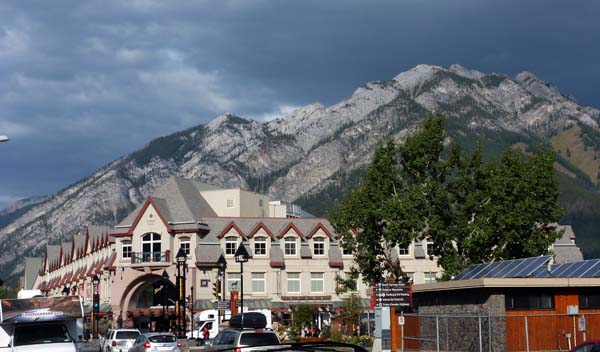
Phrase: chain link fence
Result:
[534,332]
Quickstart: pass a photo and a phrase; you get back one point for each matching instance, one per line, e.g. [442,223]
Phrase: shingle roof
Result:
[32,267]
[335,256]
[207,254]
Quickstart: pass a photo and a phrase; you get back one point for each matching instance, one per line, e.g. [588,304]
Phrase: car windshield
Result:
[258,339]
[162,338]
[41,334]
[127,335]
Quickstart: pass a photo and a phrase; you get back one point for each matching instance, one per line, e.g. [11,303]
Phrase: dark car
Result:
[588,346]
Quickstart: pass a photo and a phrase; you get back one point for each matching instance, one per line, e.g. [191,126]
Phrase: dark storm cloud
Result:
[82,83]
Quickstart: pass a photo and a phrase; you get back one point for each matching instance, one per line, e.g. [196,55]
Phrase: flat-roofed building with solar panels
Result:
[514,305]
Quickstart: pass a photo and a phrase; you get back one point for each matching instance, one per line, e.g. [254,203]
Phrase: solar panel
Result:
[507,268]
[592,272]
[474,273]
[595,263]
[540,272]
[508,272]
[530,265]
[574,268]
[562,269]
[467,271]
[498,268]
[485,271]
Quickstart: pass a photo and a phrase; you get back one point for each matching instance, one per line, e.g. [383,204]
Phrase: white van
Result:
[41,324]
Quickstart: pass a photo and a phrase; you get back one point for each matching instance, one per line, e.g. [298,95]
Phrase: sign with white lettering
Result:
[392,295]
[581,324]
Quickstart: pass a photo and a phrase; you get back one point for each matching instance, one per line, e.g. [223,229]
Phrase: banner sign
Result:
[392,295]
[40,309]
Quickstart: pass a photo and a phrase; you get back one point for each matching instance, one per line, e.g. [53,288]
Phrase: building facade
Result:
[294,260]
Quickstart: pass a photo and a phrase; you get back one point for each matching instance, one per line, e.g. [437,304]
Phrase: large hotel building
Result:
[295,258]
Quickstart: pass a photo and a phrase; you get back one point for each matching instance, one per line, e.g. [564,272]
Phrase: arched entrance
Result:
[151,306]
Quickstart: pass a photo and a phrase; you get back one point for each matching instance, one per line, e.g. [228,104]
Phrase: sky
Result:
[85,82]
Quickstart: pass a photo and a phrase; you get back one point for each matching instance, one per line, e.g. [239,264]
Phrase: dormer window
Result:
[404,250]
[230,245]
[260,246]
[319,246]
[290,246]
[184,243]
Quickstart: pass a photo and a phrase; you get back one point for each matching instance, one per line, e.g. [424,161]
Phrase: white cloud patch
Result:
[279,112]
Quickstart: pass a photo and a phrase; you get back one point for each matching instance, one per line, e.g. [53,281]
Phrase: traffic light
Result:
[96,303]
[216,289]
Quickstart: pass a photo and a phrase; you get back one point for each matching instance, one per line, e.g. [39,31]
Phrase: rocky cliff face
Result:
[295,155]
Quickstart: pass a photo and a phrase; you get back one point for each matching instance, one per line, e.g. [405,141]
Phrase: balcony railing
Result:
[150,257]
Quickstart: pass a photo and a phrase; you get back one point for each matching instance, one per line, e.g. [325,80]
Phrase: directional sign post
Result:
[392,295]
[222,304]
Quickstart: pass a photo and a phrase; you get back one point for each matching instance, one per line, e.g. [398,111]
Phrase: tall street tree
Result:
[471,209]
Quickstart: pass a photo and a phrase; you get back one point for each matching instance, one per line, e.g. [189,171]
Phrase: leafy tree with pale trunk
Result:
[473,210]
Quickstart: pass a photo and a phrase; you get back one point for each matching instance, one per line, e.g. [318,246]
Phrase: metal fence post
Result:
[437,333]
[447,334]
[526,335]
[480,334]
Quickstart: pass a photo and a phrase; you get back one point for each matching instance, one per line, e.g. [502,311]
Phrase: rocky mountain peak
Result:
[412,78]
[314,149]
[465,72]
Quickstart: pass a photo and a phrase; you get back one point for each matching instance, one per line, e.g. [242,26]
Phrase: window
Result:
[184,243]
[346,251]
[430,277]
[260,246]
[258,283]
[126,249]
[293,282]
[319,246]
[260,202]
[429,245]
[529,301]
[589,301]
[404,250]
[316,282]
[230,245]
[229,203]
[233,282]
[151,247]
[290,246]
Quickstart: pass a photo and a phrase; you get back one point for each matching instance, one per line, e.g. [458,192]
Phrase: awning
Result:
[109,264]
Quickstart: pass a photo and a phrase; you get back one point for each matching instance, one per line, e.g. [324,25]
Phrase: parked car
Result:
[120,339]
[156,341]
[246,333]
[103,340]
[588,346]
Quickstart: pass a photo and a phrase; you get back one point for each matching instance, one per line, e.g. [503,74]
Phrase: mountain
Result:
[316,153]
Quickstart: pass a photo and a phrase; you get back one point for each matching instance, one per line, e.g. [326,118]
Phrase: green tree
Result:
[473,210]
[303,315]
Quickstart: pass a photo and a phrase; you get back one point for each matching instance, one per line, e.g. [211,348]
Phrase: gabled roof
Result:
[260,225]
[319,226]
[231,225]
[289,227]
[150,202]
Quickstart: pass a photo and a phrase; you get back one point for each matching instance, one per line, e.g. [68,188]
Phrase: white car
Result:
[120,340]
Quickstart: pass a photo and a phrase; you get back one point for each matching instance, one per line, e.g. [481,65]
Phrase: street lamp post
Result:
[181,258]
[192,309]
[241,256]
[165,287]
[222,265]
[95,304]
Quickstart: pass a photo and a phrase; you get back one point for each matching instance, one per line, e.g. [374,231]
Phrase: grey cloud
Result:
[76,78]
